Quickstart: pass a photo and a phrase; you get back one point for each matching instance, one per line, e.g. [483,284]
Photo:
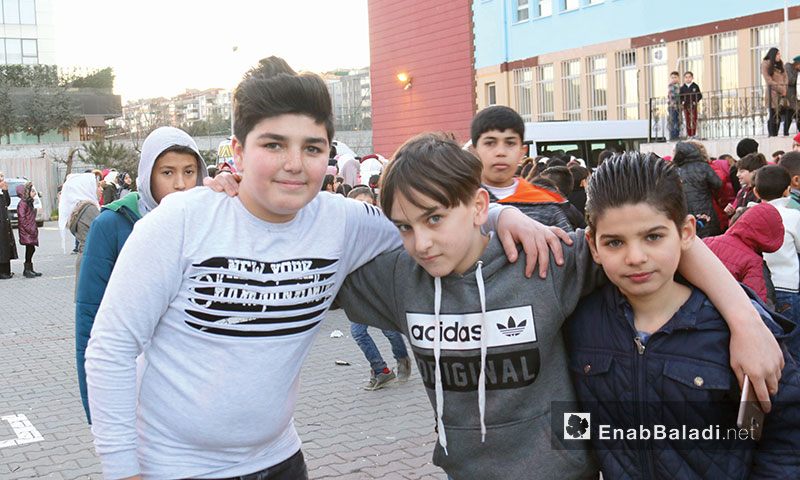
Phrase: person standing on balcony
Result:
[690,96]
[776,81]
[791,95]
[674,95]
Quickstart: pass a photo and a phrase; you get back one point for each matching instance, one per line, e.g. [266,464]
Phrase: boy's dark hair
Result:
[772,181]
[340,179]
[452,175]
[358,191]
[791,162]
[271,89]
[603,156]
[332,151]
[344,189]
[726,156]
[579,174]
[556,162]
[561,177]
[630,178]
[183,149]
[675,73]
[689,73]
[777,153]
[497,117]
[752,162]
[327,181]
[545,182]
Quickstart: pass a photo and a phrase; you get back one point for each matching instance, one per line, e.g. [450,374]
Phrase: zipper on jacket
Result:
[639,362]
[639,345]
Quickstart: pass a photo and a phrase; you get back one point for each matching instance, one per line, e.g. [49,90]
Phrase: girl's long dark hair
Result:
[773,64]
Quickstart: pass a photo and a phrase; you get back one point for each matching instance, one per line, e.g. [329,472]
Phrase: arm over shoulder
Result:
[368,295]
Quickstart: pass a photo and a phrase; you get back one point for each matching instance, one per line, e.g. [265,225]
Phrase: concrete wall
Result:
[715,148]
[432,43]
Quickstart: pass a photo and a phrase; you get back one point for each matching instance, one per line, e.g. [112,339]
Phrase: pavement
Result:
[347,432]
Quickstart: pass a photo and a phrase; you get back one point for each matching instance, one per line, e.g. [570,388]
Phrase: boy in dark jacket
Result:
[497,134]
[699,179]
[649,355]
[690,96]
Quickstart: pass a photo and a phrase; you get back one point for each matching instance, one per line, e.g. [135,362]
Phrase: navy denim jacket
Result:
[680,376]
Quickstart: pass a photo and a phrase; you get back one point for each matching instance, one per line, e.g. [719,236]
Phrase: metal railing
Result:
[734,113]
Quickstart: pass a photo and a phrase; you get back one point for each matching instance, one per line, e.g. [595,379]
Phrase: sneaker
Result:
[403,369]
[380,380]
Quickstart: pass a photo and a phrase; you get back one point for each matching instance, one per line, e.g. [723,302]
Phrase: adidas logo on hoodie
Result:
[504,327]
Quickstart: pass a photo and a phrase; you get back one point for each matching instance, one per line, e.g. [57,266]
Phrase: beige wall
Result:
[504,80]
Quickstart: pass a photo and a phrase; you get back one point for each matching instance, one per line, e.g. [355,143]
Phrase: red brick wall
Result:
[432,43]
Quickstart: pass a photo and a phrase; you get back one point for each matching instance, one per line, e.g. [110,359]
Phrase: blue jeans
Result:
[674,124]
[788,304]
[367,345]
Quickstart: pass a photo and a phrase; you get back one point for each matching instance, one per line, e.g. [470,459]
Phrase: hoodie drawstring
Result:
[484,334]
[437,353]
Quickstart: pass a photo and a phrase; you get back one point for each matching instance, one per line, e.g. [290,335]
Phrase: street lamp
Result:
[405,79]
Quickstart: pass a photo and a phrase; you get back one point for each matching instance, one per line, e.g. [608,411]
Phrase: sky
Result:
[162,47]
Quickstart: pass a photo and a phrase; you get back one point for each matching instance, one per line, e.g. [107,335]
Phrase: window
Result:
[761,40]
[571,84]
[522,10]
[627,86]
[569,5]
[30,56]
[18,12]
[522,93]
[656,74]
[724,63]
[544,8]
[491,94]
[597,81]
[593,2]
[16,51]
[545,102]
[690,58]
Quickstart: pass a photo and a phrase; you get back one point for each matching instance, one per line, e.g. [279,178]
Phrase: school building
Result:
[563,64]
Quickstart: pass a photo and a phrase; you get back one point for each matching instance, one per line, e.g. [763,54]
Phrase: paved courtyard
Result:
[347,432]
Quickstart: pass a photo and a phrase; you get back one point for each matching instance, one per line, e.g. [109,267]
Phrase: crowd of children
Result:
[200,378]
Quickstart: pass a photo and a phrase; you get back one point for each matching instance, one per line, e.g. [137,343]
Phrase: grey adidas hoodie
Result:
[154,145]
[495,425]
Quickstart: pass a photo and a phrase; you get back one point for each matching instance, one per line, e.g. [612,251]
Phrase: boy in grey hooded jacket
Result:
[484,328]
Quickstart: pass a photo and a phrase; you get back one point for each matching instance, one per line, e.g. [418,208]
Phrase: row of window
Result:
[544,8]
[724,77]
[18,12]
[16,51]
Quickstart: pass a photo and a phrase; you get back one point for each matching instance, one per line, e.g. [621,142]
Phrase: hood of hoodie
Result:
[154,145]
[686,153]
[758,228]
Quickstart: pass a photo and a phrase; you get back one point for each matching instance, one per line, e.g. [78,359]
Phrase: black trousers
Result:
[293,468]
[29,249]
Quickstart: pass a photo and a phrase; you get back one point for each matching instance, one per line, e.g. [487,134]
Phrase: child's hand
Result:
[755,352]
[729,210]
[537,240]
[224,182]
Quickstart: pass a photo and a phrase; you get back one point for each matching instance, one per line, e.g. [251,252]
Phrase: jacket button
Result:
[587,368]
[698,381]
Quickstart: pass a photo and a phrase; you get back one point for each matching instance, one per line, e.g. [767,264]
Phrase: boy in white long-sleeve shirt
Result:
[221,298]
[772,185]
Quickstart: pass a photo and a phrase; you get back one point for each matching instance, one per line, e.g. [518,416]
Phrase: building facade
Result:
[431,43]
[27,32]
[587,60]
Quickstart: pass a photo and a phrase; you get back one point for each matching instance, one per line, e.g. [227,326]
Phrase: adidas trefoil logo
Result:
[512,329]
